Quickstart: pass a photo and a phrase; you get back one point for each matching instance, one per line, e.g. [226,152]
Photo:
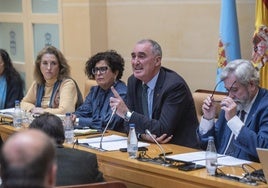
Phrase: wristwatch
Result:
[127,116]
[139,136]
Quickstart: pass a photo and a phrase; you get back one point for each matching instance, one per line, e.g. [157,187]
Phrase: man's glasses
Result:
[102,70]
[232,89]
[214,90]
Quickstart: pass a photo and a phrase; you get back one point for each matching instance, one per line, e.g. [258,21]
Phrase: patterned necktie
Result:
[242,115]
[145,100]
[231,147]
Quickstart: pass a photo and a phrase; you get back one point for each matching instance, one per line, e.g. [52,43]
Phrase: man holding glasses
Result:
[243,122]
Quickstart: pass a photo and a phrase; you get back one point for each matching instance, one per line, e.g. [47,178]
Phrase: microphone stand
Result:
[161,148]
[102,135]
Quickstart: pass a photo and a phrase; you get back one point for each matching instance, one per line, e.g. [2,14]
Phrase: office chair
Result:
[199,97]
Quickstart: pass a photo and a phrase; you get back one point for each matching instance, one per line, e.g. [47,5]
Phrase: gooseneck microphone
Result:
[112,115]
[161,148]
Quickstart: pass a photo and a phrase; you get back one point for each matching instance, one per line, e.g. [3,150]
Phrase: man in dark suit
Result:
[74,166]
[167,110]
[236,134]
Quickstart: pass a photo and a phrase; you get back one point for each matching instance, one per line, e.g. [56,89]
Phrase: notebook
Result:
[263,156]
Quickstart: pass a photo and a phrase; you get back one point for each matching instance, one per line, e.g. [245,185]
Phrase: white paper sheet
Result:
[190,157]
[7,112]
[200,158]
[109,143]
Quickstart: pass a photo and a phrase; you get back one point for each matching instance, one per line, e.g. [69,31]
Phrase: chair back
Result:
[199,97]
[88,85]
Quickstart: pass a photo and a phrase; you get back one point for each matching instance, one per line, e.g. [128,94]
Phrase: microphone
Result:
[112,115]
[161,148]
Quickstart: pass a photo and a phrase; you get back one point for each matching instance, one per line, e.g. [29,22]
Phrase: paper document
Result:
[109,143]
[9,112]
[200,158]
[190,157]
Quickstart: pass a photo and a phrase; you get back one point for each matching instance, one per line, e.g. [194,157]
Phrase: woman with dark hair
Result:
[53,90]
[107,69]
[11,83]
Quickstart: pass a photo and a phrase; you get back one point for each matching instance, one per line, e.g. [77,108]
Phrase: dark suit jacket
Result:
[253,134]
[173,108]
[76,167]
[14,92]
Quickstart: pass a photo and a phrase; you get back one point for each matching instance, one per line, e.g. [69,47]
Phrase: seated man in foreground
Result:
[74,166]
[28,161]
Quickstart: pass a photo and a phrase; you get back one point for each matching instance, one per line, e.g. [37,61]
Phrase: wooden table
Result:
[136,174]
[117,166]
[6,131]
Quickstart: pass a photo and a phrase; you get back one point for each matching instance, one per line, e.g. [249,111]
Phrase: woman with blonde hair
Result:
[53,90]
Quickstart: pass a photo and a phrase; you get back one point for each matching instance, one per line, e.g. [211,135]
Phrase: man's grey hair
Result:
[156,48]
[243,70]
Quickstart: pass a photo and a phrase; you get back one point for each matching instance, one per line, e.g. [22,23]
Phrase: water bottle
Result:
[211,157]
[17,117]
[132,142]
[69,129]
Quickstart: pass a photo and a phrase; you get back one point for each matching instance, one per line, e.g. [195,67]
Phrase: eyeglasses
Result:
[232,89]
[214,90]
[102,70]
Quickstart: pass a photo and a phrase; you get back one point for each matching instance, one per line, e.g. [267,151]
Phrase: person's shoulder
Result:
[261,101]
[34,84]
[94,89]
[169,72]
[120,85]
[68,81]
[264,91]
[73,151]
[131,78]
[133,81]
[263,96]
[170,75]
[15,80]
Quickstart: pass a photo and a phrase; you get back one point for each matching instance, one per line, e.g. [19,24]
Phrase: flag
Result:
[260,41]
[229,44]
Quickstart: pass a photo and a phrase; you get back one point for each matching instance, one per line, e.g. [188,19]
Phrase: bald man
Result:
[28,160]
